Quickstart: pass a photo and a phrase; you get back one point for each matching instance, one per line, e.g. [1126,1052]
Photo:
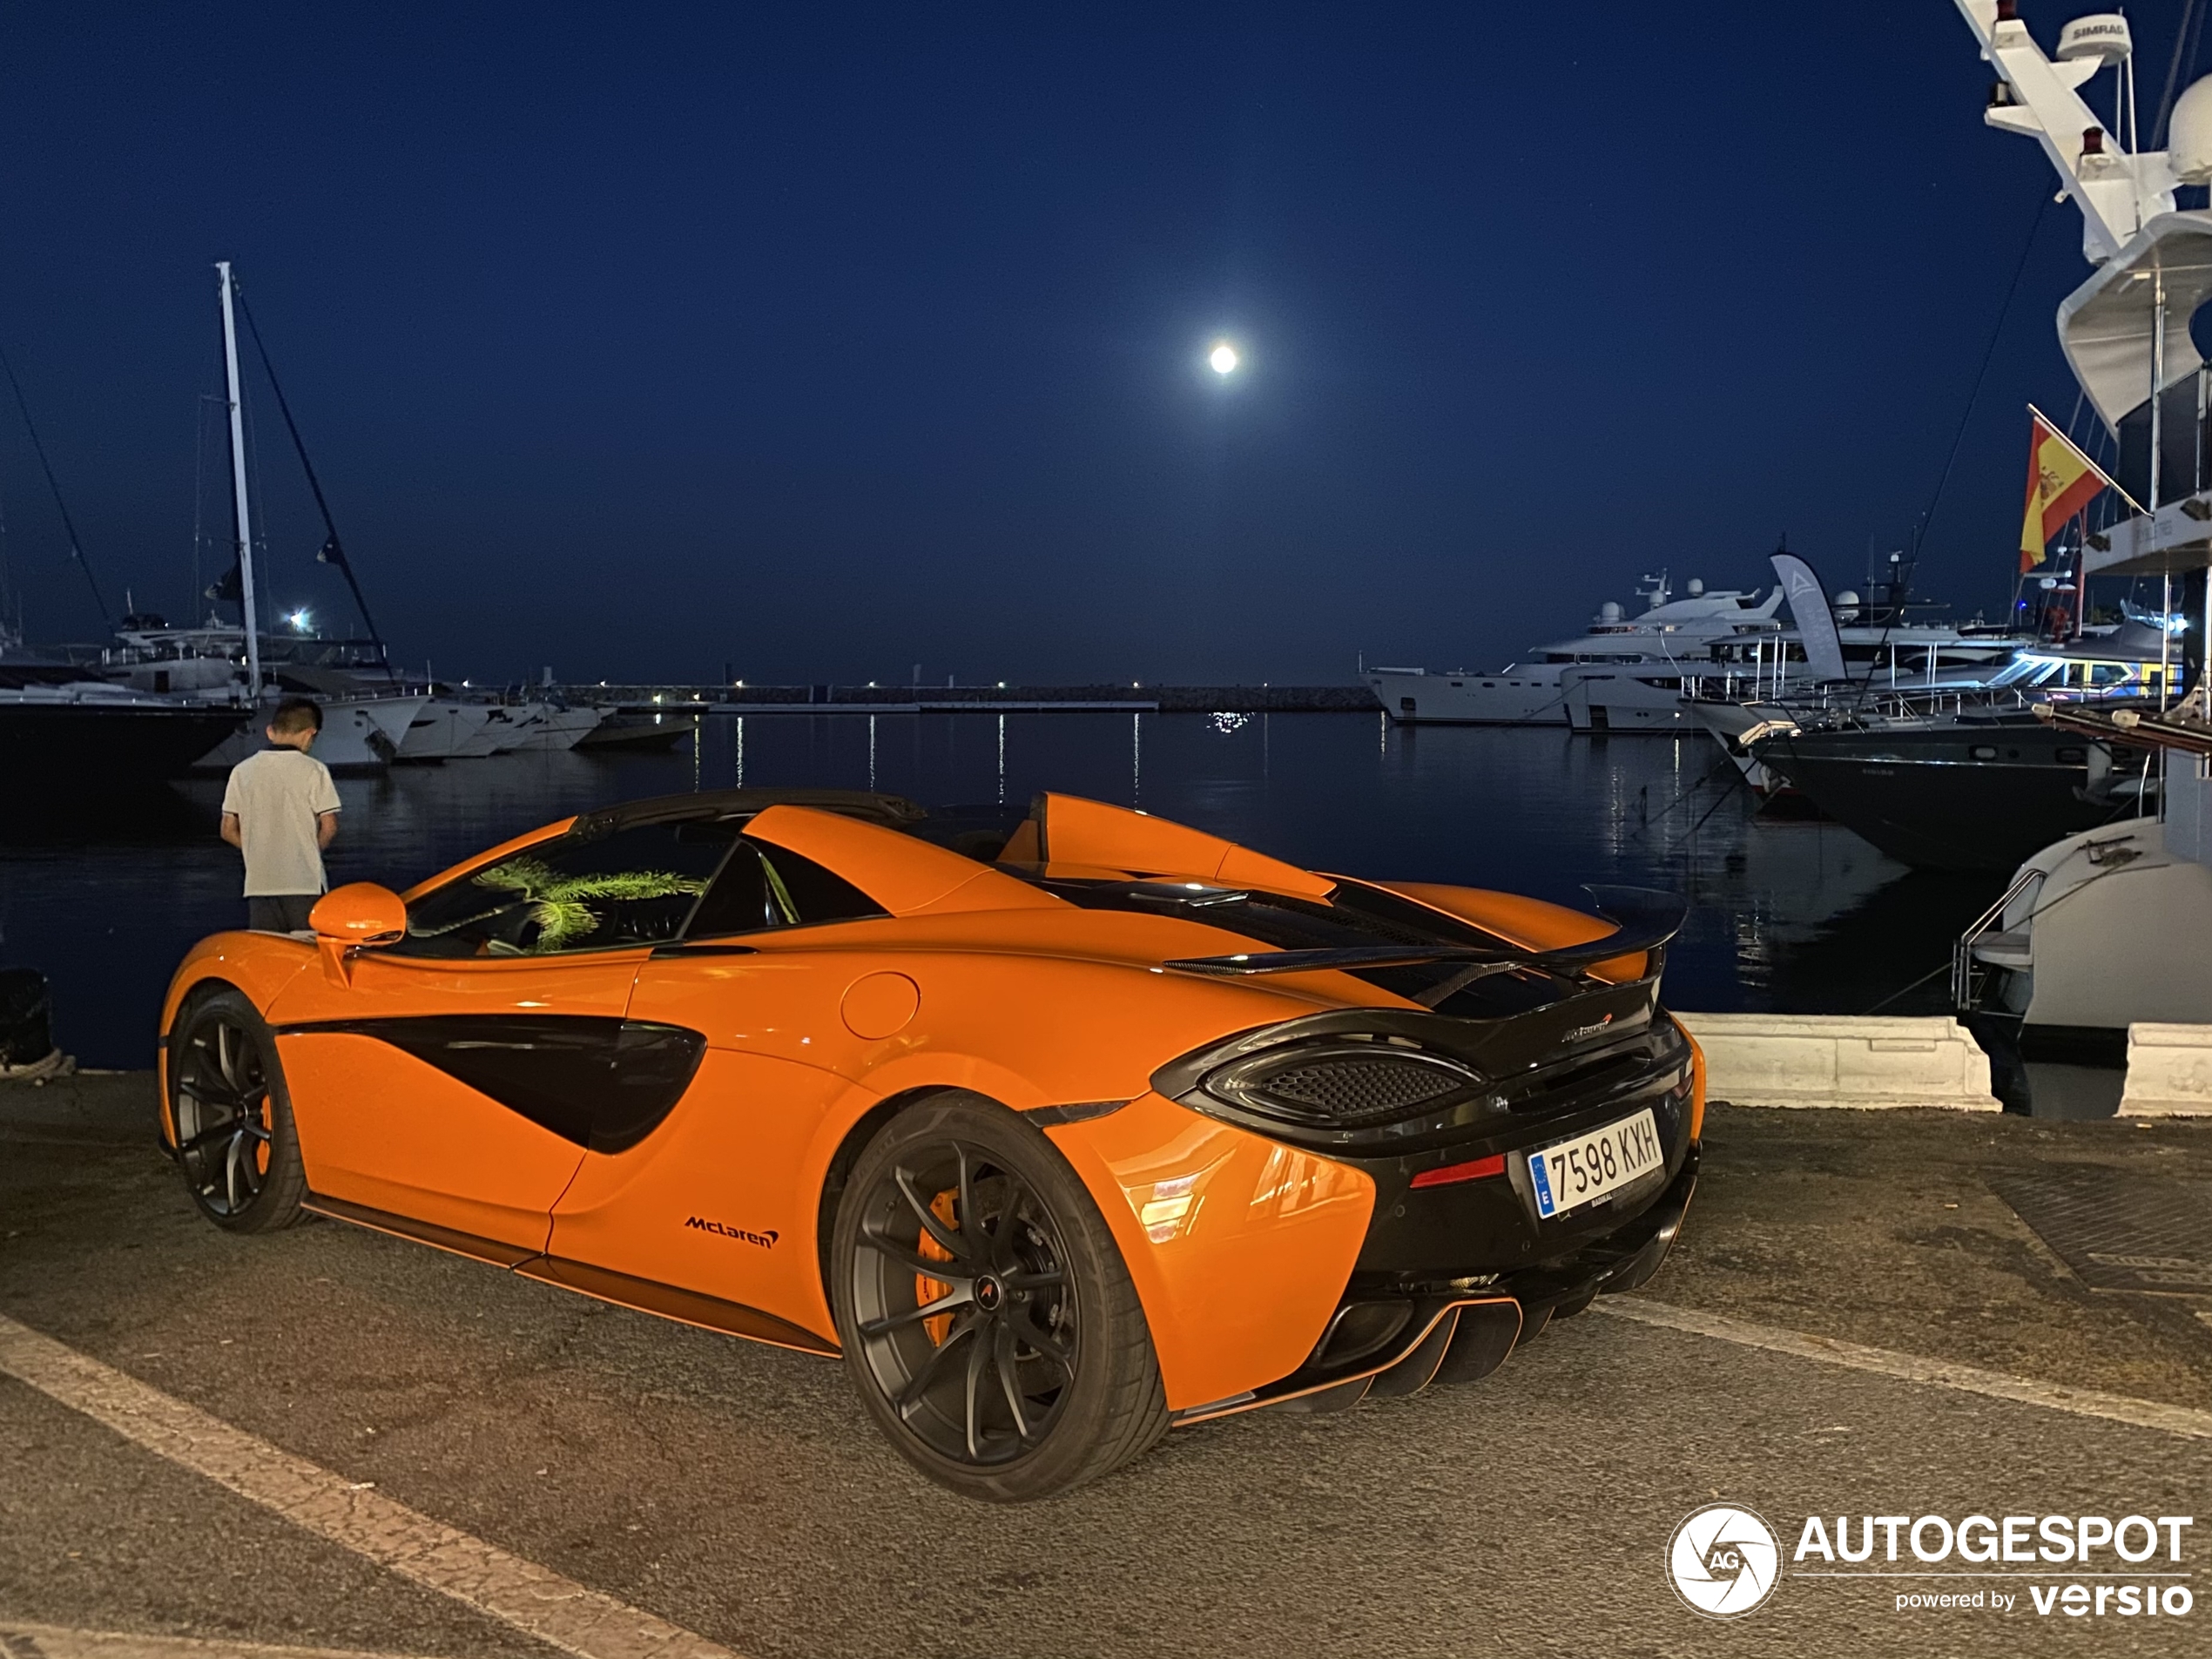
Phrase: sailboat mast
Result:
[238,483]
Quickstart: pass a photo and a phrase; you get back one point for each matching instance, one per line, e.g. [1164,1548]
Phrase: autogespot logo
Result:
[1723,1560]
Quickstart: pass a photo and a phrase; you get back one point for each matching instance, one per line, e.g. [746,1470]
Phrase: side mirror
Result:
[356,916]
[360,913]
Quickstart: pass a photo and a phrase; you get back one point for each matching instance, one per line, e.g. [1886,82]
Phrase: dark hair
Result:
[297,714]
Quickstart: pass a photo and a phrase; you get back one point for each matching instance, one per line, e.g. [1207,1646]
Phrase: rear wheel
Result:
[235,1142]
[986,1315]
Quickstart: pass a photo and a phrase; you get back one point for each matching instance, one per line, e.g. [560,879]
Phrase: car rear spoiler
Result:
[1643,920]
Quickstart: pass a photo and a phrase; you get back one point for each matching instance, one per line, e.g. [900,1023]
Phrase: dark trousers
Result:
[280,913]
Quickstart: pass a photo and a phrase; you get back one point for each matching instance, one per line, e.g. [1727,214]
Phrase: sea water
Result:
[1789,915]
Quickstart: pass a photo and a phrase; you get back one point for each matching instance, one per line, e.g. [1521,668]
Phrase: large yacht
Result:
[1656,642]
[366,710]
[1890,655]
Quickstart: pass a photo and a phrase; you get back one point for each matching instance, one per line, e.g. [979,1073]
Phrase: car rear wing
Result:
[1643,920]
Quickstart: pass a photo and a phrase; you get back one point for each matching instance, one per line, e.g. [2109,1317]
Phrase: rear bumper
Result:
[1384,1340]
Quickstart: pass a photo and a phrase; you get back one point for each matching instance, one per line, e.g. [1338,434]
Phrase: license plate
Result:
[1570,1174]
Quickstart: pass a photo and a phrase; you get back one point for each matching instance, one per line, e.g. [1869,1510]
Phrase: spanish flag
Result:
[2062,480]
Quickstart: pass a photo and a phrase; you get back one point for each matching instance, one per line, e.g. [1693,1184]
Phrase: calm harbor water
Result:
[1796,917]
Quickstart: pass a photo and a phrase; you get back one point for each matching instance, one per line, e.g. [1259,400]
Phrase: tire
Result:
[1036,1372]
[235,1140]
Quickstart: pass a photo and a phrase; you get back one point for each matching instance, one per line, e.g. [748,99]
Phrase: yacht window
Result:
[2105,674]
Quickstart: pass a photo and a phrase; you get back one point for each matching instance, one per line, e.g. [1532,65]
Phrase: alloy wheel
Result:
[223,1129]
[963,1304]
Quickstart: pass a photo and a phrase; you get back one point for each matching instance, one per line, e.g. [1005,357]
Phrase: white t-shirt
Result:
[277,795]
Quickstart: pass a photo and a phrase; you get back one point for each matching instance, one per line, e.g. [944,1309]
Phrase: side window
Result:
[635,886]
[771,887]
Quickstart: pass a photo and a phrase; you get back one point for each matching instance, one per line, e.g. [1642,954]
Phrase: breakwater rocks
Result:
[1168,699]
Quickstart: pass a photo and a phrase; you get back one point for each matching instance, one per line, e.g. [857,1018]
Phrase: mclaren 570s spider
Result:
[1061,1131]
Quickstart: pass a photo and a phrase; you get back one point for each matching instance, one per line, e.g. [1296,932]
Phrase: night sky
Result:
[825,341]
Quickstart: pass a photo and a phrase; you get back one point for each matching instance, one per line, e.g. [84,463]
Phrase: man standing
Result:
[280,810]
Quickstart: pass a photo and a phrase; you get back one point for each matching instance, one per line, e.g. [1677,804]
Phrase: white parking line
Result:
[530,1598]
[21,1641]
[1941,1373]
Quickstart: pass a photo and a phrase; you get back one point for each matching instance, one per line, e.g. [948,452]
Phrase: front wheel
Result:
[986,1315]
[235,1142]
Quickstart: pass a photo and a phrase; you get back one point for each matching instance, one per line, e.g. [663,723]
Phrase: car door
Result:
[454,1079]
[715,1203]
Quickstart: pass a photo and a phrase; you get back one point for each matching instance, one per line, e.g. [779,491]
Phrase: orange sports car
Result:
[1061,1131]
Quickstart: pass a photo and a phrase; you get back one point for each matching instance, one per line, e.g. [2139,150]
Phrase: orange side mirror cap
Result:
[358,916]
[359,913]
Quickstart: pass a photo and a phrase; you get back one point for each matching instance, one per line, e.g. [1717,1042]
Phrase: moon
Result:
[1222,358]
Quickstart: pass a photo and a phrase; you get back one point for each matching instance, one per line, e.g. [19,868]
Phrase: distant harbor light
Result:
[1224,358]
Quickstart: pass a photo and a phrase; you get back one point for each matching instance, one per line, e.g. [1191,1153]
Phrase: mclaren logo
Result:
[1581,1031]
[766,1241]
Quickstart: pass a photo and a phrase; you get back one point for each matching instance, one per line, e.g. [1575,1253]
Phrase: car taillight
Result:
[1345,1083]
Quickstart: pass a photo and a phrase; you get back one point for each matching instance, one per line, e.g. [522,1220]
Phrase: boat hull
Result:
[1514,698]
[88,746]
[557,729]
[359,734]
[1950,796]
[442,728]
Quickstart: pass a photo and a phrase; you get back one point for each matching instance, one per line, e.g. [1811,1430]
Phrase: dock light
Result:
[1001,685]
[298,620]
[1222,358]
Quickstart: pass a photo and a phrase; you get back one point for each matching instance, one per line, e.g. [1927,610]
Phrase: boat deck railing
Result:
[1967,977]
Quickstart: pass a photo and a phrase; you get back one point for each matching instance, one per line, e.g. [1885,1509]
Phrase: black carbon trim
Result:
[423,1232]
[1081,1111]
[670,1302]
[648,1295]
[601,1083]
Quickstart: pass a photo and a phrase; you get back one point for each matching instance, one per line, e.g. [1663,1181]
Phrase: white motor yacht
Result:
[1532,691]
[365,717]
[506,725]
[441,727]
[556,729]
[1601,699]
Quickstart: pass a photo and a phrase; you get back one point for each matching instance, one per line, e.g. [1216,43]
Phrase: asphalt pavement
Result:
[739,1492]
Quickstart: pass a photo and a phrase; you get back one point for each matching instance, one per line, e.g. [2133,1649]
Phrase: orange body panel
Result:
[1239,1246]
[902,874]
[1535,923]
[261,965]
[1032,1007]
[1696,1083]
[379,1128]
[1088,834]
[734,1157]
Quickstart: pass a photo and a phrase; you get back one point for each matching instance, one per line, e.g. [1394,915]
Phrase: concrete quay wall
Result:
[1842,1059]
